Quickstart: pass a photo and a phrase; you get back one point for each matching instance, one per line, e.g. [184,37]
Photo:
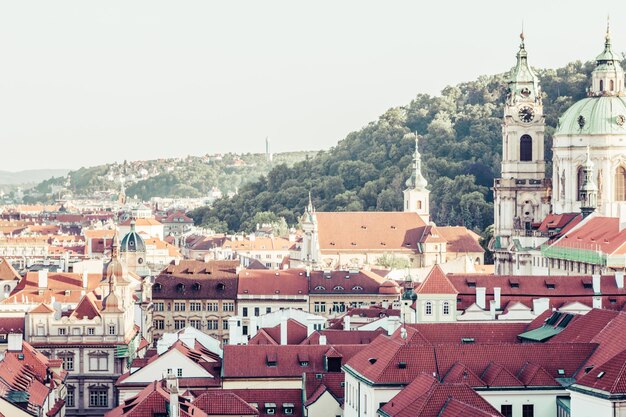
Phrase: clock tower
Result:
[522,194]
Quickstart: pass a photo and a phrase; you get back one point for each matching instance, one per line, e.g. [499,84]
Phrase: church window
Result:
[581,178]
[601,85]
[611,85]
[428,308]
[620,184]
[526,148]
[7,288]
[419,205]
[446,308]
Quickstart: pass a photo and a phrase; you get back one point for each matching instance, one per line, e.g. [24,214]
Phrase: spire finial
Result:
[608,28]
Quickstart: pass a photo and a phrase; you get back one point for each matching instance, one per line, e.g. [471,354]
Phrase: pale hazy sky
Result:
[88,82]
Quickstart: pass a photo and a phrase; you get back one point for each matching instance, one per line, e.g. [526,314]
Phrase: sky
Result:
[89,82]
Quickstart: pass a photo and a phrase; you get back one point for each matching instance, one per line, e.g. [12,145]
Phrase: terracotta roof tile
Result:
[358,231]
[436,282]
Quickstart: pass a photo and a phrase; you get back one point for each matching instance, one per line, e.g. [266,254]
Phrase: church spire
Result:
[417,180]
[523,83]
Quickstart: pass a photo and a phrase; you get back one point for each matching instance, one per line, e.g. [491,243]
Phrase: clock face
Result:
[526,114]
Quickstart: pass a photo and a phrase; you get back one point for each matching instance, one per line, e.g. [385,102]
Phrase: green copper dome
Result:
[594,116]
[132,242]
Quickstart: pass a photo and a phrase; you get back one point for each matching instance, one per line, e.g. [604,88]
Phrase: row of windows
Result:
[97,361]
[428,308]
[528,410]
[76,331]
[159,324]
[572,266]
[98,397]
[195,306]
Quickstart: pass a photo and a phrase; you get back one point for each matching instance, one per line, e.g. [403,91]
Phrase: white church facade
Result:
[536,216]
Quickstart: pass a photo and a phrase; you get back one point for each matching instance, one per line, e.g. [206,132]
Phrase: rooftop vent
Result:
[402,365]
[467,340]
[372,360]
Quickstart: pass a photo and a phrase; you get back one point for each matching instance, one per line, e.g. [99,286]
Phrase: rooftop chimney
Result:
[619,279]
[346,322]
[596,283]
[540,305]
[43,278]
[283,330]
[481,297]
[172,385]
[497,291]
[322,339]
[85,279]
[597,302]
[15,342]
[253,327]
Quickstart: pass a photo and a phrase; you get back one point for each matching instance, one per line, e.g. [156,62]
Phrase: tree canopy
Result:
[461,148]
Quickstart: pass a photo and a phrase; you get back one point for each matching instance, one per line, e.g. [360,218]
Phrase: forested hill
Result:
[367,170]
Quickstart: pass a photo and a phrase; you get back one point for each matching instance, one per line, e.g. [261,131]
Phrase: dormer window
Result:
[338,288]
[270,408]
[196,286]
[357,288]
[180,287]
[156,287]
[271,359]
[221,286]
[288,408]
[320,288]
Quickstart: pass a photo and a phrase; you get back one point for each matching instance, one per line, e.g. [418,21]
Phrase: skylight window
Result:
[600,374]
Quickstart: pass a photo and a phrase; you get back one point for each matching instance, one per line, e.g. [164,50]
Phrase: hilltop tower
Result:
[416,195]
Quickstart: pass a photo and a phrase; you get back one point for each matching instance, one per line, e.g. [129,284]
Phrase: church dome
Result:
[132,242]
[605,115]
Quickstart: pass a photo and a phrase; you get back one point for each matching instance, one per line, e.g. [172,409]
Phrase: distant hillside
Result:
[30,176]
[192,176]
[461,148]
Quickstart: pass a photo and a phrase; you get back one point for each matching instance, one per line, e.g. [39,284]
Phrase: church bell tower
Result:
[522,193]
[416,195]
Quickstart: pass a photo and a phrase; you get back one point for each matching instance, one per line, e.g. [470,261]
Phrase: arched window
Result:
[419,204]
[7,288]
[620,184]
[601,85]
[446,308]
[526,148]
[581,178]
[428,308]
[611,85]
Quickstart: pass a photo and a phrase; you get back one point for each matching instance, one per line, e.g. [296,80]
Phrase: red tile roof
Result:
[459,239]
[344,337]
[12,324]
[480,332]
[7,272]
[277,396]
[197,280]
[609,377]
[358,231]
[286,361]
[428,398]
[296,333]
[220,402]
[567,289]
[436,282]
[345,282]
[273,282]
[154,398]
[315,384]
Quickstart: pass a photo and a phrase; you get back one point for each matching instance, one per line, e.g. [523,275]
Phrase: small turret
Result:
[607,78]
[588,192]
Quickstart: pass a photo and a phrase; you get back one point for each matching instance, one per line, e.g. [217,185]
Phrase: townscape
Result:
[122,305]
